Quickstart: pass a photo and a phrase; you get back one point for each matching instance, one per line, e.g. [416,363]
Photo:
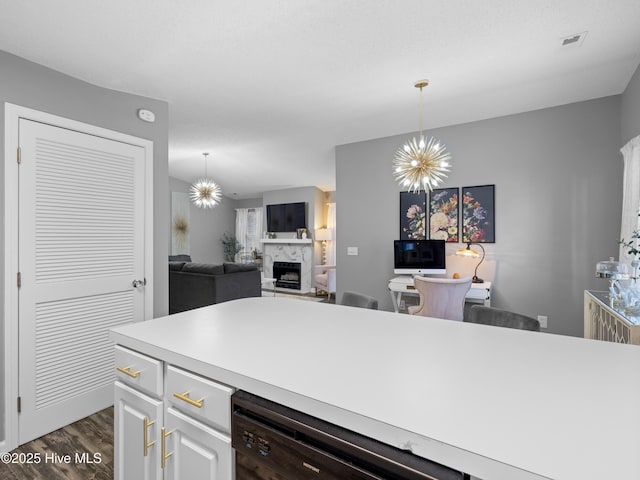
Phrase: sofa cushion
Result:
[203,268]
[180,258]
[176,266]
[239,267]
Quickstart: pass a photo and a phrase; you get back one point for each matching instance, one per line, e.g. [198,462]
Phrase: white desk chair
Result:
[441,297]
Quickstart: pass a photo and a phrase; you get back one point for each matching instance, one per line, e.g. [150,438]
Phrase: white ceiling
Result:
[269,87]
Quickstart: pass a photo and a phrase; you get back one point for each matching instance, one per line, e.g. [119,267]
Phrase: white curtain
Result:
[248,229]
[630,194]
[331,223]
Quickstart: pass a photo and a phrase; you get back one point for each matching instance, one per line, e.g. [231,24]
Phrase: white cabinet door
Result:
[138,420]
[195,451]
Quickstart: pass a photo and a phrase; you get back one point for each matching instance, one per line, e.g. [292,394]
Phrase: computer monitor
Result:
[419,257]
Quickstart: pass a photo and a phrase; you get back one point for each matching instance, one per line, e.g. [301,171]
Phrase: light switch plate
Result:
[352,250]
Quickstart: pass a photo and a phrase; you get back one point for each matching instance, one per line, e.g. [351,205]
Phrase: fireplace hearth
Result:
[287,274]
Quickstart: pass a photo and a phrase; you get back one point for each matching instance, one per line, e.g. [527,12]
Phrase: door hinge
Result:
[19,158]
[19,279]
[19,404]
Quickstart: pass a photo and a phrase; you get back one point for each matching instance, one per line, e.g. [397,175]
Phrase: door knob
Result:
[139,283]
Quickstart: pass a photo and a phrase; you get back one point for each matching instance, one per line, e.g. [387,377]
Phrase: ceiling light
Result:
[205,193]
[421,163]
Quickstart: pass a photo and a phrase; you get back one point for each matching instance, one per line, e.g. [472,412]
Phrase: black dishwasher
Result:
[273,442]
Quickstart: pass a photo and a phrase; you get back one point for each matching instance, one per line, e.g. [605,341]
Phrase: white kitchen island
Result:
[497,403]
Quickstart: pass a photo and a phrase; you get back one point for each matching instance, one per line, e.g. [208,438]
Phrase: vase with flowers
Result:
[631,295]
[633,246]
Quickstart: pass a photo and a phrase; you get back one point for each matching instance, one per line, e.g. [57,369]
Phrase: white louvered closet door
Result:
[81,241]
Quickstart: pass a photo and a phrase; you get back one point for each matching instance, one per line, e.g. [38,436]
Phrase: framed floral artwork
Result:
[412,215]
[443,214]
[478,214]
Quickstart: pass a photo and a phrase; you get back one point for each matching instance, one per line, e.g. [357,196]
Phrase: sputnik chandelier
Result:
[421,164]
[205,193]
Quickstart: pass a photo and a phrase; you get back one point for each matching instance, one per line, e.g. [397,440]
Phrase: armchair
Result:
[360,300]
[502,318]
[325,279]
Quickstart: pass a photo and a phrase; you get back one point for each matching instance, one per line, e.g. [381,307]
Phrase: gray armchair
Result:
[354,299]
[502,318]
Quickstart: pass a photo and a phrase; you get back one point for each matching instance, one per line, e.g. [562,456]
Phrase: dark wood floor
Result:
[85,441]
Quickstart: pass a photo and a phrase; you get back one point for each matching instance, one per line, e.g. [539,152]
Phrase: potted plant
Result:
[230,247]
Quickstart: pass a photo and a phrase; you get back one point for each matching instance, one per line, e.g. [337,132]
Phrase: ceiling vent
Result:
[573,40]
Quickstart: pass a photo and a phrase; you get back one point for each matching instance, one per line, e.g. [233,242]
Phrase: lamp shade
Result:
[323,234]
[467,252]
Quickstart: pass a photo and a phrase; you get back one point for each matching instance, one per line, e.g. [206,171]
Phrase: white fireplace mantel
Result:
[290,250]
[286,240]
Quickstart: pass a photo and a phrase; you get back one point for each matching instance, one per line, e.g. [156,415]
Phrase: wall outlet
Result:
[352,250]
[543,321]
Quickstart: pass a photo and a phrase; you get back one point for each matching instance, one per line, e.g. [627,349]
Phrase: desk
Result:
[403,285]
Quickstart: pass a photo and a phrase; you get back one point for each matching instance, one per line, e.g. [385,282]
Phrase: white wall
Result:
[558,175]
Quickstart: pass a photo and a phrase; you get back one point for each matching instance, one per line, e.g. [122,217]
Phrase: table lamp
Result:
[467,252]
[323,235]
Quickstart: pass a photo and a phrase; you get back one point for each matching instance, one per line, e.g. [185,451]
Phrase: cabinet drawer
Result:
[199,397]
[139,371]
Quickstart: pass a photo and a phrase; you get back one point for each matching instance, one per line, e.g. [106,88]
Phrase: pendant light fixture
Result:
[205,193]
[421,163]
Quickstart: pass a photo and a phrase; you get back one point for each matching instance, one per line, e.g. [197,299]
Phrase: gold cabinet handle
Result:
[127,371]
[185,398]
[145,435]
[163,447]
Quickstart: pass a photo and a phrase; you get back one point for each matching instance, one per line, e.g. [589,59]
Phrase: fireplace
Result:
[287,274]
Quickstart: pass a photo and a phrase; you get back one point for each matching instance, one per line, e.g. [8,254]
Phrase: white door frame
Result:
[13,113]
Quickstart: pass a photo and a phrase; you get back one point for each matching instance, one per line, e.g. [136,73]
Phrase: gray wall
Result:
[30,85]
[316,209]
[314,197]
[206,226]
[557,173]
[630,125]
[248,203]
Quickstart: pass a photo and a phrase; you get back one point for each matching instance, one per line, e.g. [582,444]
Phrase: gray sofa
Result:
[193,285]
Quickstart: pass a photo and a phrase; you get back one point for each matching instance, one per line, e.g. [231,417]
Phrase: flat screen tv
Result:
[419,257]
[286,217]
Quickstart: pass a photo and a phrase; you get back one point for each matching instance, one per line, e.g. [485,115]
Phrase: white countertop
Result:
[496,402]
